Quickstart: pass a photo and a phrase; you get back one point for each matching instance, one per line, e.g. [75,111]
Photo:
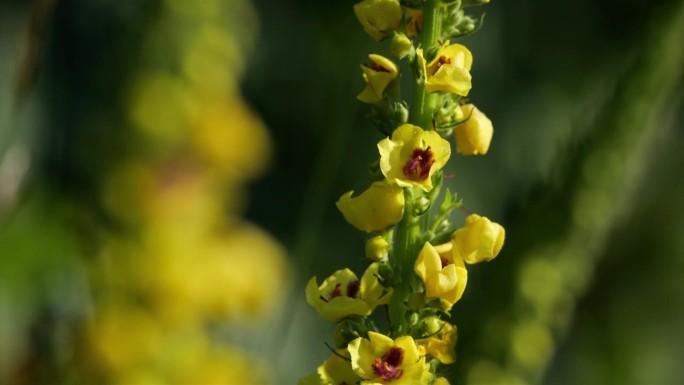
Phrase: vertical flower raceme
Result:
[474,135]
[377,75]
[411,156]
[418,271]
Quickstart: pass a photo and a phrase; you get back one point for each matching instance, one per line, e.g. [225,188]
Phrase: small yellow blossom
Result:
[376,209]
[449,71]
[378,75]
[444,277]
[474,135]
[411,156]
[377,248]
[342,294]
[379,16]
[441,346]
[383,361]
[440,381]
[479,240]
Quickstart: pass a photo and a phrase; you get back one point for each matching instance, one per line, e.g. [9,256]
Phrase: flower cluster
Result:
[189,258]
[419,258]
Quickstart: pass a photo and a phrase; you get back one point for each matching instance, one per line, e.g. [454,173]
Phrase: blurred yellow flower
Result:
[440,381]
[232,275]
[479,240]
[379,17]
[474,135]
[123,337]
[443,276]
[378,75]
[449,71]
[342,294]
[381,360]
[376,209]
[230,138]
[440,346]
[411,156]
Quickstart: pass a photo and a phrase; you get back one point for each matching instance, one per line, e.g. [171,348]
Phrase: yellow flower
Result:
[479,240]
[379,16]
[475,134]
[342,294]
[440,381]
[377,248]
[381,361]
[378,75]
[444,277]
[412,156]
[441,346]
[449,71]
[376,209]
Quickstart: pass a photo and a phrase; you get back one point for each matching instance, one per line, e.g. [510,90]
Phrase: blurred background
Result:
[168,173]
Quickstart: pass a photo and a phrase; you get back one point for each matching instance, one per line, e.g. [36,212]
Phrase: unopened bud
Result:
[377,248]
[401,45]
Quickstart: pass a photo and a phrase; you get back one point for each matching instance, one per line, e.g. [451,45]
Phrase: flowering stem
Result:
[410,231]
[424,103]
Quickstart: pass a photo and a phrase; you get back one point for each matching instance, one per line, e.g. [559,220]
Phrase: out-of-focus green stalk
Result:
[409,232]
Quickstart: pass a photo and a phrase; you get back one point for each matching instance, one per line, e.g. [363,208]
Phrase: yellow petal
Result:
[376,209]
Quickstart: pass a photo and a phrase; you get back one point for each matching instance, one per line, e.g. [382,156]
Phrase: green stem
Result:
[424,104]
[409,236]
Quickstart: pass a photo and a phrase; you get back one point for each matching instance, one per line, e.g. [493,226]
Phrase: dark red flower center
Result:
[442,61]
[418,166]
[377,67]
[445,262]
[352,289]
[387,367]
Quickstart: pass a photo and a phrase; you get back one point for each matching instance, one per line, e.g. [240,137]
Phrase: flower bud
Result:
[401,45]
[376,209]
[377,248]
[379,16]
[479,240]
[421,206]
[432,325]
[474,135]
